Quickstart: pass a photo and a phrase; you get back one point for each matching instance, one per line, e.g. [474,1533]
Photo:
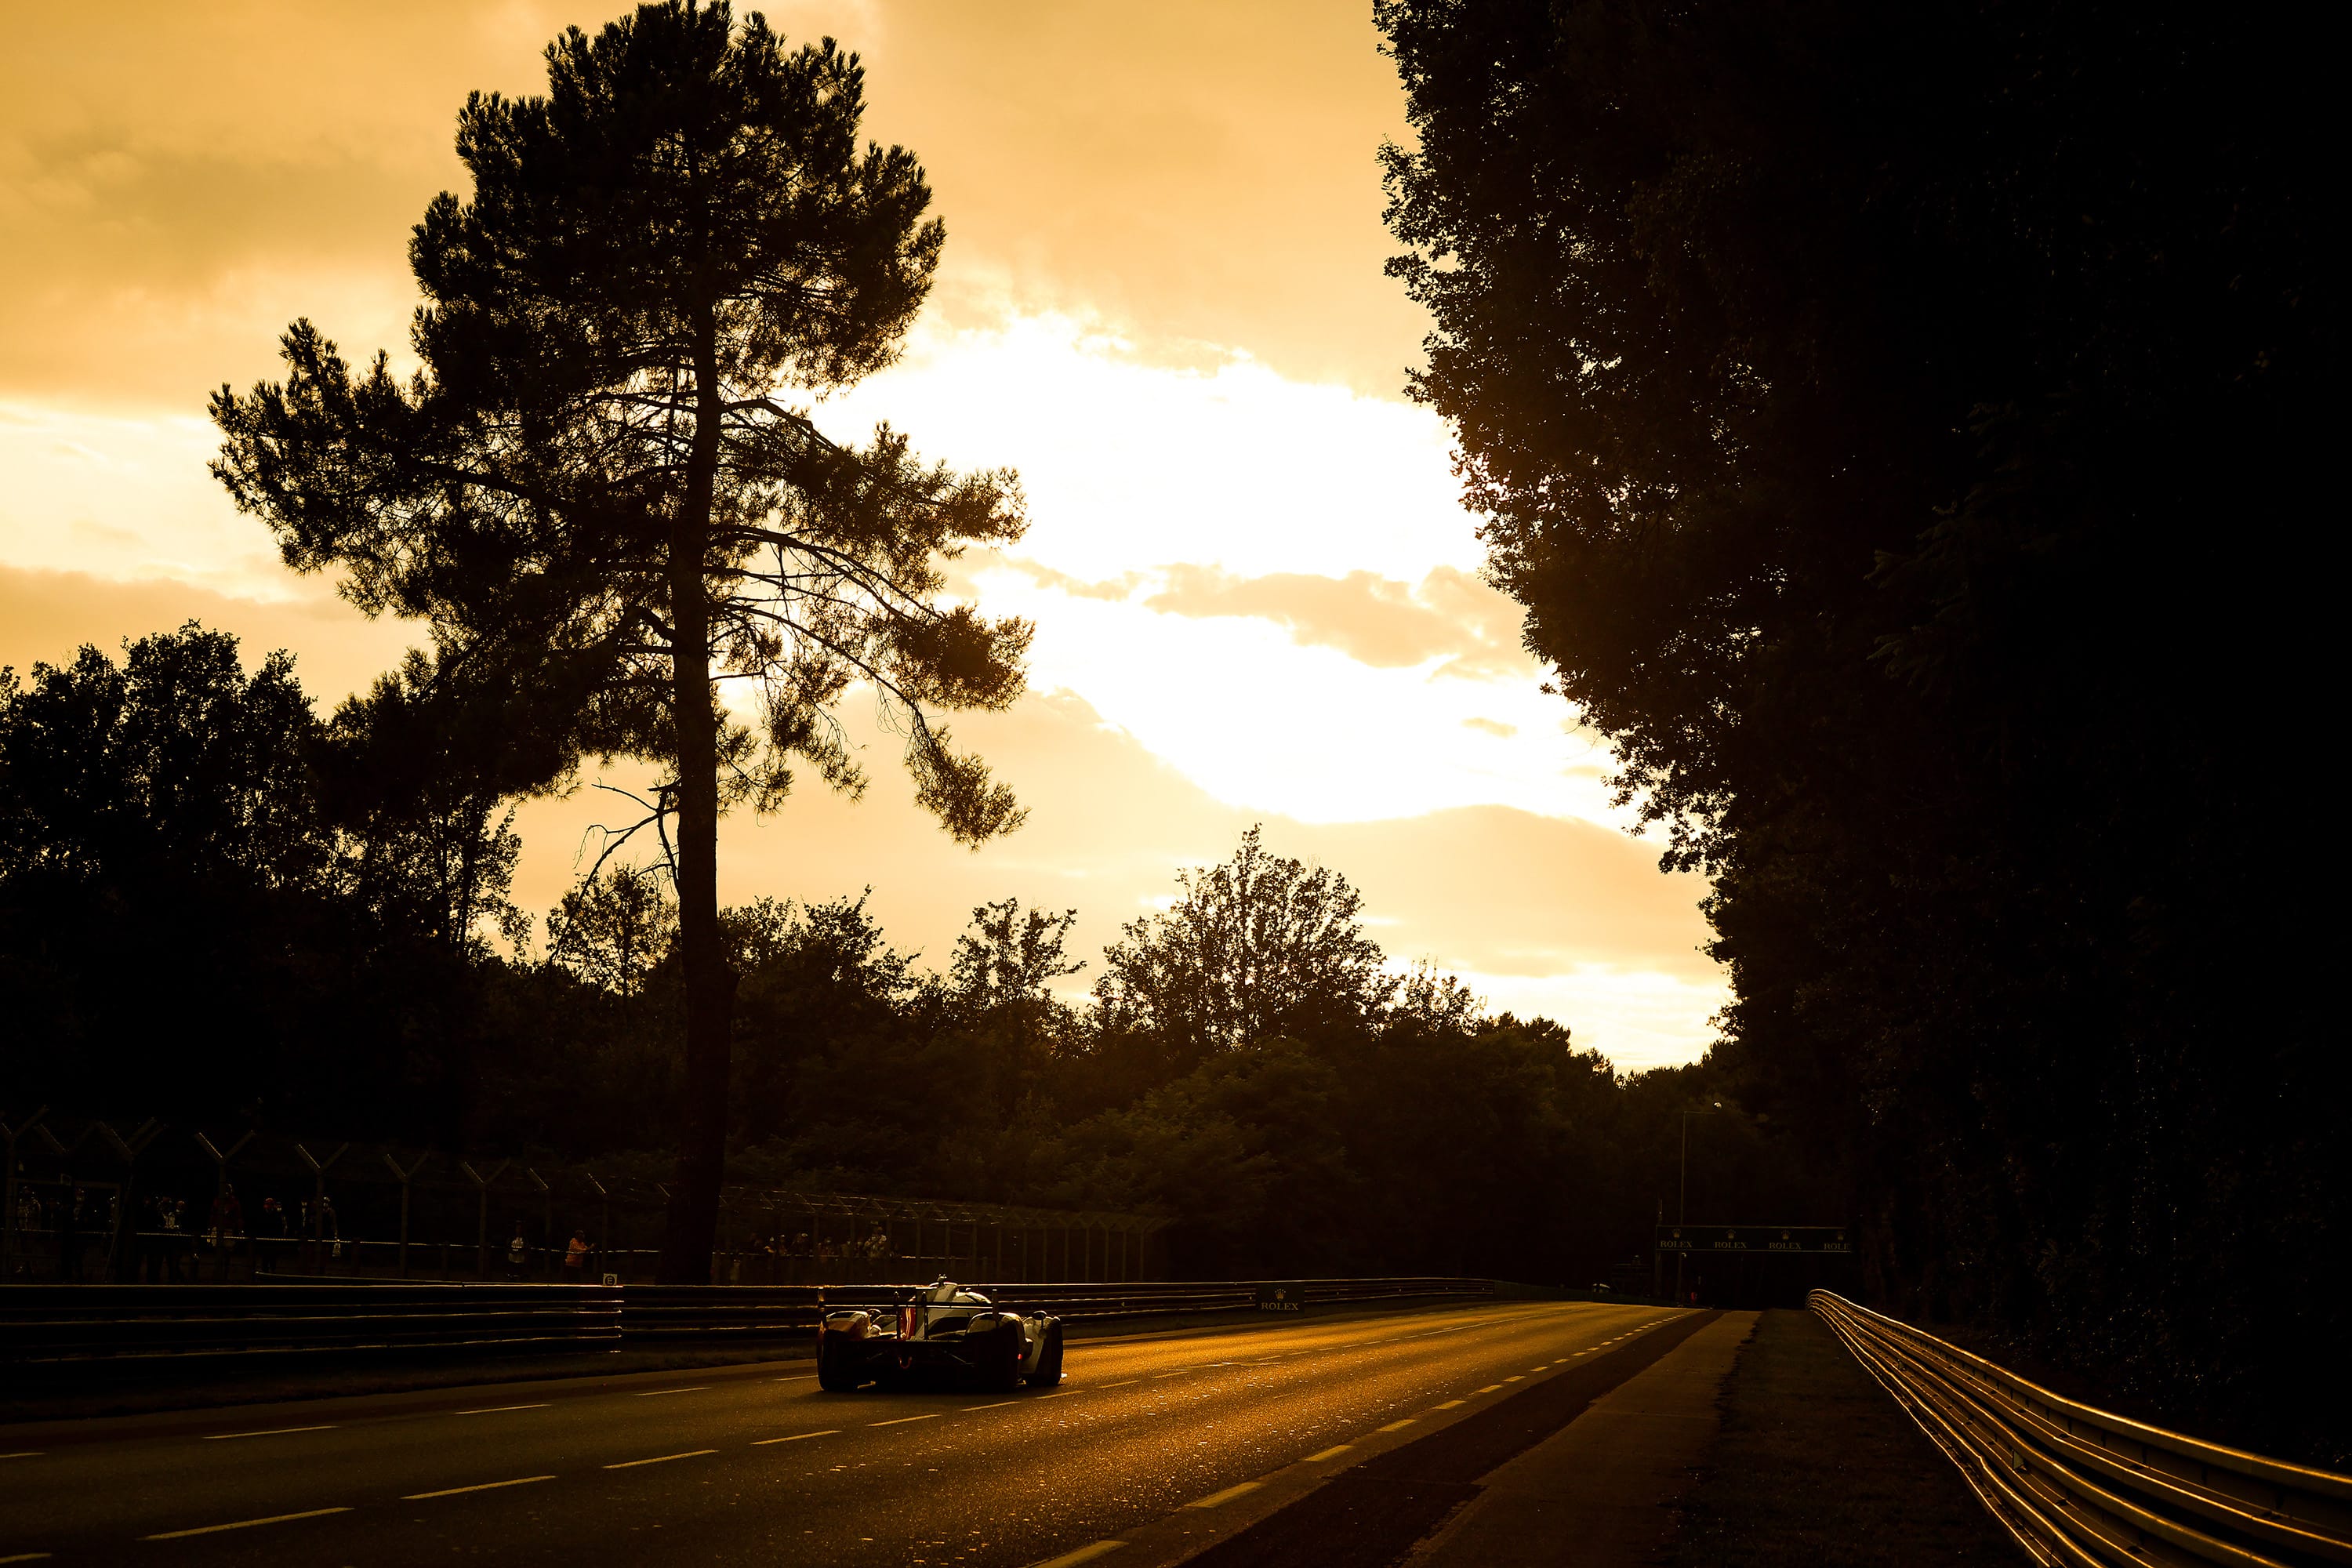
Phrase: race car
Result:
[941,1332]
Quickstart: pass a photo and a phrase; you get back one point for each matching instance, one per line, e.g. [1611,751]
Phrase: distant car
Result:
[941,1332]
[1598,1288]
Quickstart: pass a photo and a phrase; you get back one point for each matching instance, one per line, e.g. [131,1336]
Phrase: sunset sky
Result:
[1255,593]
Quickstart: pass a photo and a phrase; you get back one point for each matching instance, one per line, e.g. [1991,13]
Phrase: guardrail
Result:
[82,1324]
[2079,1487]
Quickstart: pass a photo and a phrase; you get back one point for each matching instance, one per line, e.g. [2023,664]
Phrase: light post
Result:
[1682,1190]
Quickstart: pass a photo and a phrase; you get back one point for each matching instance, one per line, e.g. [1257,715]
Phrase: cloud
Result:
[1377,621]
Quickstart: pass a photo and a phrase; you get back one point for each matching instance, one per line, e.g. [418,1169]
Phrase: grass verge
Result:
[1815,1466]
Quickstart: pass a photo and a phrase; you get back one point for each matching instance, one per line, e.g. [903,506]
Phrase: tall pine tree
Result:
[599,491]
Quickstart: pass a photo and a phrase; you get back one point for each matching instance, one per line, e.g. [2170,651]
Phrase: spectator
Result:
[576,1258]
[518,1252]
[273,1217]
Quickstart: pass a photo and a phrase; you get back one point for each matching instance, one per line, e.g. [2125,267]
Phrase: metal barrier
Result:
[2078,1487]
[86,1323]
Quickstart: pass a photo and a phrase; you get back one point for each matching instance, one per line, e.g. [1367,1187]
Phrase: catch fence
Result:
[90,1202]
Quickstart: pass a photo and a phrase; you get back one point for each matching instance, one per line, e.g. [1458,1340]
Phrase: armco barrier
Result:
[85,1322]
[2079,1487]
[64,1324]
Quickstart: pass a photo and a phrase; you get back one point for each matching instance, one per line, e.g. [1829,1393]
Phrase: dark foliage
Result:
[1903,427]
[270,890]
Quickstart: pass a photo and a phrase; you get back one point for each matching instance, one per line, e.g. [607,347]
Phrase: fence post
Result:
[128,1150]
[403,1177]
[546,1215]
[8,1217]
[222,1243]
[482,1213]
[318,1200]
[604,1230]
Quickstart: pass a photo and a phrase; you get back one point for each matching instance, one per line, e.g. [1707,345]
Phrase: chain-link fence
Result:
[89,1201]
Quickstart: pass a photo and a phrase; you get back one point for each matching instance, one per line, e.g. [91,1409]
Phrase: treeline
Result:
[215,906]
[1908,430]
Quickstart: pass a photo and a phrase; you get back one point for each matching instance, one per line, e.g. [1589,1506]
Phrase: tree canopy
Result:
[1902,427]
[628,539]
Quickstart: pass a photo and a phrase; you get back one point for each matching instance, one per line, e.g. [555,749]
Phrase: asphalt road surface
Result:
[1166,1443]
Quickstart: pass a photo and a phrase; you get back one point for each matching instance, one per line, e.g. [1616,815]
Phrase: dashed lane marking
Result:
[244,1524]
[1450,1403]
[796,1436]
[902,1420]
[1215,1499]
[1515,1377]
[1488,1389]
[998,1405]
[273,1432]
[661,1459]
[1131,1380]
[1083,1554]
[483,1487]
[1333,1452]
[656,1392]
[496,1409]
[25,1453]
[26,1556]
[1400,1425]
[1177,1372]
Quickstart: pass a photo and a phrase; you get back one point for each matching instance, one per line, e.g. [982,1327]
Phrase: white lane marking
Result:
[661,1459]
[1488,1389]
[1226,1496]
[1131,1380]
[998,1405]
[1449,1404]
[1177,1372]
[796,1436]
[1546,1367]
[1333,1452]
[1064,1394]
[483,1487]
[1083,1554]
[273,1432]
[495,1409]
[796,1377]
[902,1420]
[656,1392]
[1515,1377]
[1400,1425]
[25,1556]
[243,1524]
[25,1453]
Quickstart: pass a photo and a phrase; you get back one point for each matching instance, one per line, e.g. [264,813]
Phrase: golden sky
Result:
[1161,302]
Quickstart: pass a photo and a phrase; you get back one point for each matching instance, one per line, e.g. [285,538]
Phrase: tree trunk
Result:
[693,1218]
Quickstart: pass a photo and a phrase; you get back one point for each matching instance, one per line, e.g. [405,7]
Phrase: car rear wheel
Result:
[1049,1361]
[834,1373]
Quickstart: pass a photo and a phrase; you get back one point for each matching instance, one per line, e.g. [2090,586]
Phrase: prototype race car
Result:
[940,1331]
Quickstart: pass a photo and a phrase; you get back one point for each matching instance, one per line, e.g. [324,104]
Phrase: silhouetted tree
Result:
[1258,946]
[613,929]
[595,490]
[1902,426]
